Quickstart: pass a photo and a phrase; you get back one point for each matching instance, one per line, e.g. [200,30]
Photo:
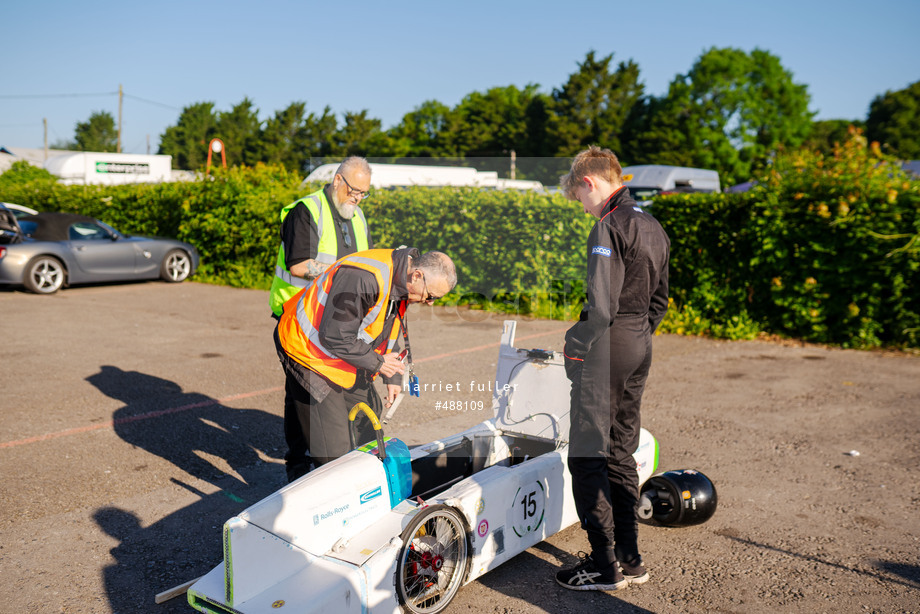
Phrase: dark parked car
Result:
[46,251]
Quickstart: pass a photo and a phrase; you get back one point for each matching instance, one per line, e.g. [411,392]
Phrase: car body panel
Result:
[331,541]
[19,210]
[93,253]
[10,232]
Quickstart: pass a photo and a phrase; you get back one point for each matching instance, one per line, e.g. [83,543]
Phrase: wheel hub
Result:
[432,561]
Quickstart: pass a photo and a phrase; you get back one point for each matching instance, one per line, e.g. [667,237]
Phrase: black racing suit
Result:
[608,353]
[320,406]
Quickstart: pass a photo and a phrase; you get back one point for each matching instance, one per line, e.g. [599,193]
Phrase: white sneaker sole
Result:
[596,587]
[637,579]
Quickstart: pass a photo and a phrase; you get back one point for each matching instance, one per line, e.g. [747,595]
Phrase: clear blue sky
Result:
[389,57]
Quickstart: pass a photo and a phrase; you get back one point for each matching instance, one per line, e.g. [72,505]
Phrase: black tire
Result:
[176,267]
[44,275]
[433,561]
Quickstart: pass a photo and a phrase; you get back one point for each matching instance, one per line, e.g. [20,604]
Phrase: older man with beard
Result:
[316,231]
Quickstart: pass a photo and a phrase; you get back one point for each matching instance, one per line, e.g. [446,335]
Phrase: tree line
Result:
[733,111]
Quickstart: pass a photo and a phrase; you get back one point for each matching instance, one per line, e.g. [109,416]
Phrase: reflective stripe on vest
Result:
[384,275]
[285,284]
[321,210]
[289,278]
[301,339]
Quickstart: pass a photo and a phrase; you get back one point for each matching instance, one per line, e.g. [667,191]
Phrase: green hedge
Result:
[502,242]
[825,249]
[514,249]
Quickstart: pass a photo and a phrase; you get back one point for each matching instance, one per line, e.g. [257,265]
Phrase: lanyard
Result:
[414,387]
[405,334]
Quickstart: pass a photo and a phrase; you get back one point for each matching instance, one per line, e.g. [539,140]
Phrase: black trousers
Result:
[319,432]
[604,435]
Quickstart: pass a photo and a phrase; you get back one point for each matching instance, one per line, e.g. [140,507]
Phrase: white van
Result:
[649,180]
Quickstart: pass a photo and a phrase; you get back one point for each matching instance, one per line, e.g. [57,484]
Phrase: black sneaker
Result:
[587,577]
[634,572]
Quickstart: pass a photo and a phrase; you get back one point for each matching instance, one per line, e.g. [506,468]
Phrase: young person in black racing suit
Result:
[607,356]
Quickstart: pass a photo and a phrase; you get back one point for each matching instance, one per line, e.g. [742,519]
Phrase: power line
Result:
[159,104]
[90,95]
[120,93]
[58,95]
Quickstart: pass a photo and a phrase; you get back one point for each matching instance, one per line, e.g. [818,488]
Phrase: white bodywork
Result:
[330,542]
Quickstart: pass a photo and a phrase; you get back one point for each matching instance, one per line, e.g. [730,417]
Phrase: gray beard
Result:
[346,210]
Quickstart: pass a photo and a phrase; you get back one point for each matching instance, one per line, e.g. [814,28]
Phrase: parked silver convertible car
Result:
[47,251]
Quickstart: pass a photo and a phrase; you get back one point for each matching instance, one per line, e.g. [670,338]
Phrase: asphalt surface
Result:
[135,419]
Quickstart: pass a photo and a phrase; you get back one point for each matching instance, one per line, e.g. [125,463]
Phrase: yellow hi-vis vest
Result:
[285,285]
[303,312]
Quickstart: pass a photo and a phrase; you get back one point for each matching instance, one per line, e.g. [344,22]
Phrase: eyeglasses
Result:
[359,194]
[430,299]
[346,236]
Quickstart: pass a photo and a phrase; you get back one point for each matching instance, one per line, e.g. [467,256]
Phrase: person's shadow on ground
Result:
[229,448]
[196,433]
[175,549]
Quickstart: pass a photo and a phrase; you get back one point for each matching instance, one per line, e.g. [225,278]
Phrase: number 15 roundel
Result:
[527,508]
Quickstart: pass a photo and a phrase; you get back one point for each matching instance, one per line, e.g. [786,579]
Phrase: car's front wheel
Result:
[176,266]
[44,275]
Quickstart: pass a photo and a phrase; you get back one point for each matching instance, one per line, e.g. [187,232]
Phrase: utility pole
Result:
[148,144]
[120,97]
[45,124]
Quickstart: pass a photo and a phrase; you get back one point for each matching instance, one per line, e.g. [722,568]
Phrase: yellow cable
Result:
[367,410]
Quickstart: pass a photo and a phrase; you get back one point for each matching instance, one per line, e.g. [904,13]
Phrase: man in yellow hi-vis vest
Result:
[336,336]
[316,231]
[319,229]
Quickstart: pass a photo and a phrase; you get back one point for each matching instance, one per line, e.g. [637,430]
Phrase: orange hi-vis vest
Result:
[298,326]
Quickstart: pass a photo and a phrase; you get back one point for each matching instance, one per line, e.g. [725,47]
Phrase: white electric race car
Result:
[388,529]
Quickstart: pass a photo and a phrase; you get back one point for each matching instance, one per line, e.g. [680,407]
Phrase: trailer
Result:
[87,167]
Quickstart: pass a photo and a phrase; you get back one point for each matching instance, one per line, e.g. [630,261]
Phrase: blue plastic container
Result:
[398,467]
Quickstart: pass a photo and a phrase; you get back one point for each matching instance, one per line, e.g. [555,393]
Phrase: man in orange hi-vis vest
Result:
[336,336]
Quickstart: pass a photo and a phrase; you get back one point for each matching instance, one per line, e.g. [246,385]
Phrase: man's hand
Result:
[308,269]
[391,366]
[392,392]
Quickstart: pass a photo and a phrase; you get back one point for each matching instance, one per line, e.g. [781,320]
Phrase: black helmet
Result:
[678,498]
